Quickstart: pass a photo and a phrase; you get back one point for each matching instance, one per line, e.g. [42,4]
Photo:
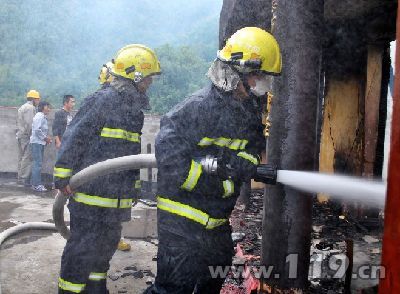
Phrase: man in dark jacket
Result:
[222,120]
[62,119]
[108,125]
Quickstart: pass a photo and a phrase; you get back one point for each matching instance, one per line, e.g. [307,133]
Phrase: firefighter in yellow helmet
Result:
[223,120]
[24,129]
[108,125]
[105,78]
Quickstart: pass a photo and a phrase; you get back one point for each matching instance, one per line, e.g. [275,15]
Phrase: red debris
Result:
[250,284]
[232,289]
[247,257]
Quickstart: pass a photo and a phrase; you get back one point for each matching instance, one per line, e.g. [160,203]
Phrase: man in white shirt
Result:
[38,140]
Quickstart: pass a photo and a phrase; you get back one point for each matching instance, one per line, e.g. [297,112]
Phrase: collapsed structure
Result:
[331,99]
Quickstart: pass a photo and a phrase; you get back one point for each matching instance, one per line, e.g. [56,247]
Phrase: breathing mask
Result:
[262,86]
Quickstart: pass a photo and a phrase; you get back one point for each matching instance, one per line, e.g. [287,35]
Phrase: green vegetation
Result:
[58,46]
[183,72]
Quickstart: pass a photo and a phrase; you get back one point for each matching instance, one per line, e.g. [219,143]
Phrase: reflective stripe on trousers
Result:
[97,276]
[71,287]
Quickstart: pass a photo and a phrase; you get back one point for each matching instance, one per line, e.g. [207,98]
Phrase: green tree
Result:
[58,46]
[183,72]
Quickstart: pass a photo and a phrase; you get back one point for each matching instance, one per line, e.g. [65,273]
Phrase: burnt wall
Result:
[236,14]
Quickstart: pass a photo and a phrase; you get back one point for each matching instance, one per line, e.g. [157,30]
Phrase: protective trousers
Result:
[87,254]
[185,266]
[24,160]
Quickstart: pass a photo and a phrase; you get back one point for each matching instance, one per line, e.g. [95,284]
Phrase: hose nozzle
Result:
[266,174]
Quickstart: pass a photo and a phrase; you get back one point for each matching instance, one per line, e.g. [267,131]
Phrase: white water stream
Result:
[369,192]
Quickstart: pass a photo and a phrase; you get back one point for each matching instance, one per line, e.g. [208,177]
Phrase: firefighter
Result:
[107,125]
[105,75]
[105,78]
[222,120]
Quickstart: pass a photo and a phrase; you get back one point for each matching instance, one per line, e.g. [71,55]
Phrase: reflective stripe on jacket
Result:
[108,125]
[207,123]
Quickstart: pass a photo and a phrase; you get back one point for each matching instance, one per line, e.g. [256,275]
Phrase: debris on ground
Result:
[331,230]
[370,239]
[236,237]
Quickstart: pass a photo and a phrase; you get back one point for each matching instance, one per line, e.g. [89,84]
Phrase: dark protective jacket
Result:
[108,125]
[60,122]
[210,122]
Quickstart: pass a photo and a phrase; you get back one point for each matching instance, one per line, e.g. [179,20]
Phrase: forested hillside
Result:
[58,46]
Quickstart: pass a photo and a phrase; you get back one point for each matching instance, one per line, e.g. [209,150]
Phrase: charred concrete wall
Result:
[293,139]
[9,149]
[236,14]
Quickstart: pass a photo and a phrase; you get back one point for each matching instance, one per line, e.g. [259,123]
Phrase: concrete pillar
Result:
[292,142]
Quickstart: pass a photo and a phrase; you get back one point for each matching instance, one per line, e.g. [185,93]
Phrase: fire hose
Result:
[96,170]
[265,173]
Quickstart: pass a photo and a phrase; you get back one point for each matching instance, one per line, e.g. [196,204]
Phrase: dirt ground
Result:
[29,262]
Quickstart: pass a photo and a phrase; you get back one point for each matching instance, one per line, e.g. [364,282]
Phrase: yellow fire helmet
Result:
[105,73]
[136,62]
[33,94]
[252,49]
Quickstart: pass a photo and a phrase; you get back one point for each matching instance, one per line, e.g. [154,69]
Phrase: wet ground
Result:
[30,261]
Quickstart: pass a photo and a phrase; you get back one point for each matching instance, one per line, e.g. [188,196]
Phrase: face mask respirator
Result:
[263,85]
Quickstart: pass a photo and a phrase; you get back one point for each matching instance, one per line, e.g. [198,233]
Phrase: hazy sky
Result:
[69,41]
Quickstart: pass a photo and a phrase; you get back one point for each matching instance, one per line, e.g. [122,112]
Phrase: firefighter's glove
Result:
[241,169]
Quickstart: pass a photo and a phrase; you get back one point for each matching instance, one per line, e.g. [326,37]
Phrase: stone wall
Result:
[9,148]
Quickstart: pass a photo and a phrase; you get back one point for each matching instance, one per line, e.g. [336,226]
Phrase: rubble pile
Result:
[334,236]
